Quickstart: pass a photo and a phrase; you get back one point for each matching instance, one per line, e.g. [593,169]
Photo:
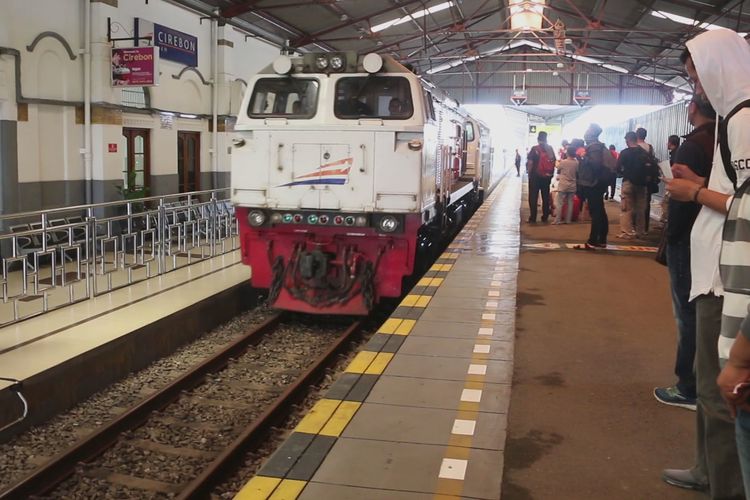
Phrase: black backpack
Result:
[726,154]
[647,170]
[591,169]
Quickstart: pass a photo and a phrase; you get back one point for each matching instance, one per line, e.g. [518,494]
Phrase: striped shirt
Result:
[734,265]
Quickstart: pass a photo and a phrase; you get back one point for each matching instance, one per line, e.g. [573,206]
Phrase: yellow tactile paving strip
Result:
[329,417]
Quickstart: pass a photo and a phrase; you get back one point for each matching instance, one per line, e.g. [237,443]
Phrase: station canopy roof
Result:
[641,38]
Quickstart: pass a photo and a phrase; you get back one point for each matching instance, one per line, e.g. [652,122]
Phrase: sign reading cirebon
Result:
[135,67]
[173,45]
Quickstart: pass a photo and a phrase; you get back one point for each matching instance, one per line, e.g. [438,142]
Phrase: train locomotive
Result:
[346,171]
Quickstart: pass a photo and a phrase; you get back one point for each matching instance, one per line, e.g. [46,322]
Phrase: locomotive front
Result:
[328,180]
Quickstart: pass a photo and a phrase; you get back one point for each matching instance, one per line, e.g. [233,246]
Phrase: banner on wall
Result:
[135,67]
[173,45]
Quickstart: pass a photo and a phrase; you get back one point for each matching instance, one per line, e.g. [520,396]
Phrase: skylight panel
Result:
[687,21]
[414,15]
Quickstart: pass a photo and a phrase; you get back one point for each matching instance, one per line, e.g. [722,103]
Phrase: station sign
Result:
[135,67]
[173,45]
[519,97]
[582,97]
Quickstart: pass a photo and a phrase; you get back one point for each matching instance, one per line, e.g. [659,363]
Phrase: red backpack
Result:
[546,165]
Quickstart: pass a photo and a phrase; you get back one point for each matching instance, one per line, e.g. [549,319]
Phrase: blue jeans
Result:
[678,262]
[742,432]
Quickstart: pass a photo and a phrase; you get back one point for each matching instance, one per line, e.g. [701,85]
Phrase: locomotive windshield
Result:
[386,97]
[284,98]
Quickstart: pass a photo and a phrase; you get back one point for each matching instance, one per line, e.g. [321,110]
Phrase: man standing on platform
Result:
[541,167]
[696,152]
[718,63]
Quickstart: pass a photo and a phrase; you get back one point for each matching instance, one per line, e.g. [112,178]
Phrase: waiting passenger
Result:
[612,185]
[718,63]
[566,187]
[594,175]
[540,164]
[642,133]
[632,164]
[697,152]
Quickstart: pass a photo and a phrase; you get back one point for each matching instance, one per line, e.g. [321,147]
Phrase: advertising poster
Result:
[135,67]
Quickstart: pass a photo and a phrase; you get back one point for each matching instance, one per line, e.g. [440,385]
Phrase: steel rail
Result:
[63,465]
[211,476]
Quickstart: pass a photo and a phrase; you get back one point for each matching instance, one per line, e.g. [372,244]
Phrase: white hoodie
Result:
[722,61]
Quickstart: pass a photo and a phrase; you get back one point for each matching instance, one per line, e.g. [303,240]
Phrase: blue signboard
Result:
[173,45]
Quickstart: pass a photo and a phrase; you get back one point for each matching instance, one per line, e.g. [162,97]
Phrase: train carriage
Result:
[345,171]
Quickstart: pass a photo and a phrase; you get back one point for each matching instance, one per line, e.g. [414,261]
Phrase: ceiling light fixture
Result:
[526,15]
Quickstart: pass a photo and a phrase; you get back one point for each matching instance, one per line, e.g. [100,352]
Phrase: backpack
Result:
[726,154]
[594,167]
[647,170]
[546,165]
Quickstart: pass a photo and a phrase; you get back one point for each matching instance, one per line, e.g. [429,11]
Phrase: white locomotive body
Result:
[342,166]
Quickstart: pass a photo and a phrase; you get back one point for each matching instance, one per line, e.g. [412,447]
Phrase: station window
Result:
[386,97]
[135,97]
[284,98]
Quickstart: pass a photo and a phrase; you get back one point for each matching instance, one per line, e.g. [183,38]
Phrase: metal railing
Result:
[55,258]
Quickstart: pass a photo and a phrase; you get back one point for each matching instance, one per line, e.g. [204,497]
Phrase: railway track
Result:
[196,428]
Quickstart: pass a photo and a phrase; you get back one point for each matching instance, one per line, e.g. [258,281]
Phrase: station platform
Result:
[517,368]
[66,354]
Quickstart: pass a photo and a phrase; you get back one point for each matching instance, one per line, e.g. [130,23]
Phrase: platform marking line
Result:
[496,284]
[464,427]
[481,349]
[389,326]
[318,416]
[486,331]
[493,293]
[475,369]
[379,364]
[259,487]
[449,255]
[452,468]
[288,489]
[488,316]
[413,300]
[405,327]
[492,304]
[441,267]
[471,395]
[497,276]
[340,418]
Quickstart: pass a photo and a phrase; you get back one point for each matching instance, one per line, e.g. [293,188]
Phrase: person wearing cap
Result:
[539,178]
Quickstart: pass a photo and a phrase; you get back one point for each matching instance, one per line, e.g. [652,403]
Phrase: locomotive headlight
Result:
[312,219]
[361,221]
[337,62]
[287,218]
[276,218]
[321,62]
[256,218]
[388,224]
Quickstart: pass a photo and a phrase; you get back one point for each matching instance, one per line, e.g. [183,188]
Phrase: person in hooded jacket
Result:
[718,63]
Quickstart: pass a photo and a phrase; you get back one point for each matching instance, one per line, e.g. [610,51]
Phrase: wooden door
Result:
[137,160]
[188,161]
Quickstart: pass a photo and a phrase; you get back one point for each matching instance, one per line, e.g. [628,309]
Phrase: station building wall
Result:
[42,155]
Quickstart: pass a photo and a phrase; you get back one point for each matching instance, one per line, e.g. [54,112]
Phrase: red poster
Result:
[135,67]
[112,147]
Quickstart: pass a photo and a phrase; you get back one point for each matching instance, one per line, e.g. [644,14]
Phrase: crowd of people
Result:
[707,246]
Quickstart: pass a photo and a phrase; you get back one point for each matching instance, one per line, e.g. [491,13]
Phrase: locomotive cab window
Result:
[469,132]
[284,98]
[385,97]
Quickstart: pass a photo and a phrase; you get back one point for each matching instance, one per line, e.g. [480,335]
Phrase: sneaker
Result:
[673,397]
[683,478]
[625,236]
